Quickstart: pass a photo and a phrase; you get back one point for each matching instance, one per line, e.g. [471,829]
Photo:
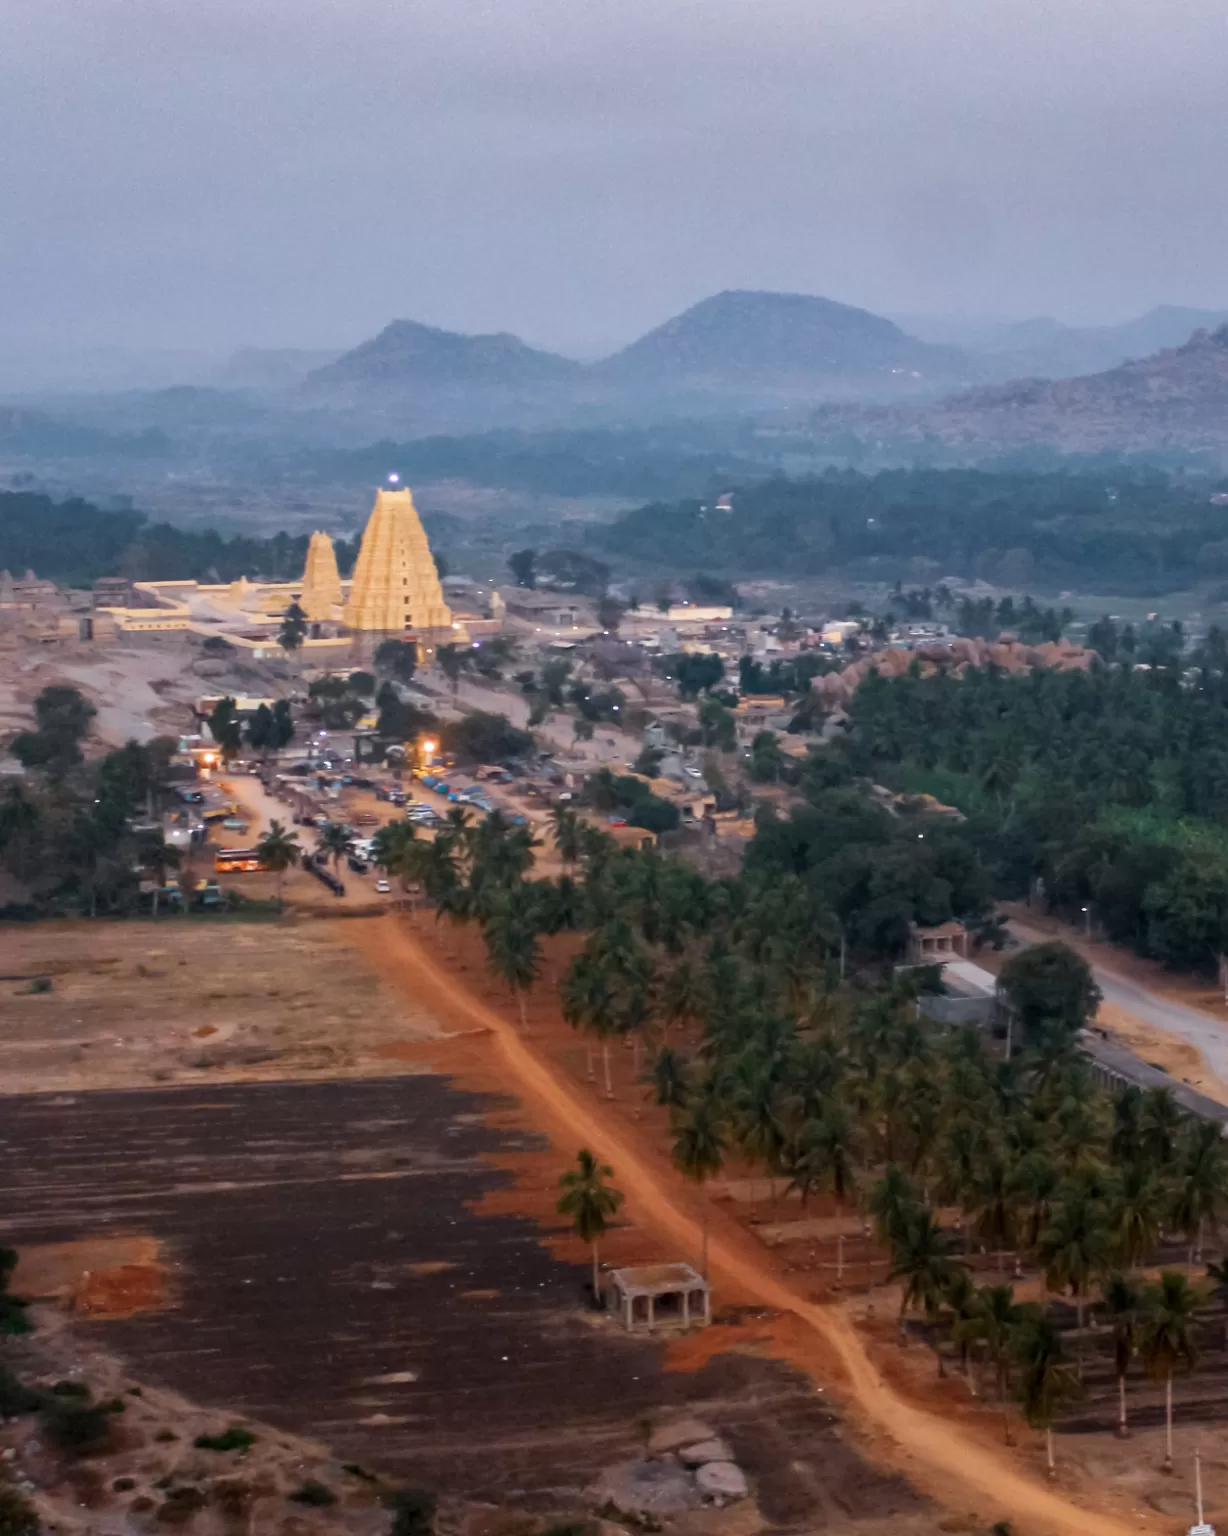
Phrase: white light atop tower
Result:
[394,478]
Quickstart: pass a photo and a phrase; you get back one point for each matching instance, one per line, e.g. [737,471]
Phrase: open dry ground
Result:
[247,1174]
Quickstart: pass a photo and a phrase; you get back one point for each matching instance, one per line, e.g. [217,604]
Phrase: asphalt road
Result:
[1202,1030]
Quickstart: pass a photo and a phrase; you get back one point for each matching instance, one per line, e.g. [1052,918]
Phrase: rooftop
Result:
[657,1277]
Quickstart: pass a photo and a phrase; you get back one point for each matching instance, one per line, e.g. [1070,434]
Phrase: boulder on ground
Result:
[647,1488]
[679,1432]
[721,1480]
[715,1449]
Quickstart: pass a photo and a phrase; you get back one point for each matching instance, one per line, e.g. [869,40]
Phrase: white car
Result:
[382,887]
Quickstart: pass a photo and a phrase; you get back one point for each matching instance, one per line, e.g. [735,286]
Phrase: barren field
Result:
[244,1168]
[191,999]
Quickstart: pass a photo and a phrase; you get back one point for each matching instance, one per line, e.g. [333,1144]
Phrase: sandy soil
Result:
[940,1440]
[188,999]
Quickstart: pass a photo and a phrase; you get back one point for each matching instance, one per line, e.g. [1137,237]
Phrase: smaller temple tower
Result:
[321,580]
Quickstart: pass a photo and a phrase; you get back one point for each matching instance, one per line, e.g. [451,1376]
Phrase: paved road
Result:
[1202,1030]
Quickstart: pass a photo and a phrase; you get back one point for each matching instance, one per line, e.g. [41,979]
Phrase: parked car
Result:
[382,887]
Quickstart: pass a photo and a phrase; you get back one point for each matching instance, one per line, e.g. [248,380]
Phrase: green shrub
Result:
[77,1389]
[15,1397]
[77,1428]
[317,1495]
[39,984]
[235,1438]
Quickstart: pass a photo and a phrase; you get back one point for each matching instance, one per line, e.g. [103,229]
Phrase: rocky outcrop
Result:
[837,688]
[1175,399]
[687,1465]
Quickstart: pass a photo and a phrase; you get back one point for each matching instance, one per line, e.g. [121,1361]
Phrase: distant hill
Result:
[1046,348]
[763,344]
[408,355]
[1175,400]
[732,351]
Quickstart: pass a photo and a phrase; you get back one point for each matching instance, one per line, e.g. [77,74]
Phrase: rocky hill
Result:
[408,355]
[1174,400]
[770,344]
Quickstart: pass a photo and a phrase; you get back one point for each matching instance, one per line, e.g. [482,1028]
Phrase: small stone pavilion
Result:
[651,1296]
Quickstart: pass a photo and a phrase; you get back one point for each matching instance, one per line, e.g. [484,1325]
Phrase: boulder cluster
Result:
[955,656]
[686,1466]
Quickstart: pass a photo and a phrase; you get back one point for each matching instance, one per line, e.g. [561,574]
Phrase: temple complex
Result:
[322,597]
[396,586]
[395,590]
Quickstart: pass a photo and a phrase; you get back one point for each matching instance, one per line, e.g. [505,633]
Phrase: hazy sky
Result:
[207,173]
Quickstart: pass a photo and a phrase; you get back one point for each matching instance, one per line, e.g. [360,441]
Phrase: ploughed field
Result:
[325,1271]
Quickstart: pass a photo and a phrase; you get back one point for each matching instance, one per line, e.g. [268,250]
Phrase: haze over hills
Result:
[1047,348]
[735,356]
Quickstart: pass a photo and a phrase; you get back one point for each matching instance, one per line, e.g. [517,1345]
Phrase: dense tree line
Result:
[1108,787]
[77,834]
[1131,530]
[673,459]
[74,542]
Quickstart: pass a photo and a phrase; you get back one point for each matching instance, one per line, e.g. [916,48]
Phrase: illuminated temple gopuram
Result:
[395,585]
[322,596]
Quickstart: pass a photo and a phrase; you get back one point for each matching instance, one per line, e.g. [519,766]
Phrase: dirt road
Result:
[959,1470]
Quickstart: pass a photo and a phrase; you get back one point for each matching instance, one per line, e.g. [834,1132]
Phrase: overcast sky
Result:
[209,173]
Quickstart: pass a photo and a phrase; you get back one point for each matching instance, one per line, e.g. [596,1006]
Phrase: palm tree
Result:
[990,1203]
[278,850]
[669,1078]
[962,1301]
[335,841]
[893,1204]
[1127,1142]
[1074,1247]
[921,1257]
[1166,1340]
[699,1151]
[1135,1214]
[1121,1302]
[1161,1120]
[513,950]
[1034,1186]
[1218,1275]
[567,830]
[1046,1380]
[995,1322]
[590,1203]
[685,993]
[821,1151]
[755,1098]
[1201,1190]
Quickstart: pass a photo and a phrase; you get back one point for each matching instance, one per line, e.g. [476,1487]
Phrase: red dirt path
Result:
[954,1461]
